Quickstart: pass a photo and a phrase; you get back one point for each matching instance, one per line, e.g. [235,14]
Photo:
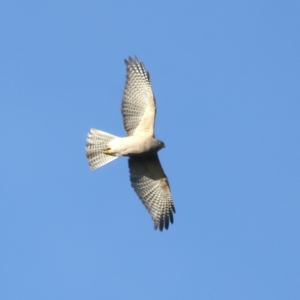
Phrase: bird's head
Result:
[159,145]
[162,144]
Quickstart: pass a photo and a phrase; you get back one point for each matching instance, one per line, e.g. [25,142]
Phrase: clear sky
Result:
[226,76]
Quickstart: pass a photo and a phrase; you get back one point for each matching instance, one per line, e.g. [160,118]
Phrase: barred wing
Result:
[151,184]
[138,103]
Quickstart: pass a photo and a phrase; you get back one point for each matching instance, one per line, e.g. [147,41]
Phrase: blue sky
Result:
[226,76]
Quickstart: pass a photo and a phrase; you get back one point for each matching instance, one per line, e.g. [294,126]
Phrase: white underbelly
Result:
[130,145]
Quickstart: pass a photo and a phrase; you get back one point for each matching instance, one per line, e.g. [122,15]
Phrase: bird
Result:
[140,145]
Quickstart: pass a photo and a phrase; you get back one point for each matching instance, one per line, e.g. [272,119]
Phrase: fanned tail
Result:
[98,141]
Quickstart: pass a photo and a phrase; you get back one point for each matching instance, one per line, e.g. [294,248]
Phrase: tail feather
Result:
[98,141]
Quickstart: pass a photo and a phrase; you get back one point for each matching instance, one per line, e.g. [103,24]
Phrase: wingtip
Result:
[163,223]
[131,60]
[173,208]
[161,226]
[171,218]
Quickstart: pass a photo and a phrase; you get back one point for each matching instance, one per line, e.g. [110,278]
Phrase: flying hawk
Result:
[146,173]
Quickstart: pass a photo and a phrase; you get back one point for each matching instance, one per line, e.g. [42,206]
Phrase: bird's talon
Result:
[107,150]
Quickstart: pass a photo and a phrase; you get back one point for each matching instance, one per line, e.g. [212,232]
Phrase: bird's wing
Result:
[138,103]
[151,184]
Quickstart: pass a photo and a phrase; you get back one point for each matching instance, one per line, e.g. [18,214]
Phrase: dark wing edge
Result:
[152,187]
[136,63]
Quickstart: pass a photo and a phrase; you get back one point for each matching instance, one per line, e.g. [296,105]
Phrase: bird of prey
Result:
[140,145]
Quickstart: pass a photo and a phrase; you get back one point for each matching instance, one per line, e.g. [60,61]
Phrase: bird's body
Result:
[146,174]
[133,146]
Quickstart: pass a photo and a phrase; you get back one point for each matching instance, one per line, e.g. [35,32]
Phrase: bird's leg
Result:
[108,150]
